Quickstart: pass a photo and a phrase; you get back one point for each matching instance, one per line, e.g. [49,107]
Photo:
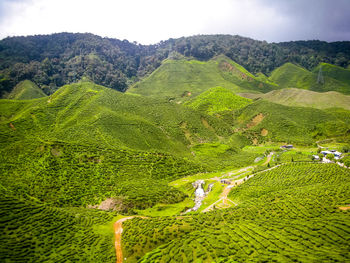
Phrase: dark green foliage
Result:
[54,60]
[284,215]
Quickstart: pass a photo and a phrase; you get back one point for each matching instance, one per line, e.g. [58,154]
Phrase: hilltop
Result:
[26,90]
[180,79]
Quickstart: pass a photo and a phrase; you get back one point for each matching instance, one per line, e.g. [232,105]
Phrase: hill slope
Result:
[217,100]
[121,146]
[180,79]
[26,90]
[264,121]
[287,214]
[293,76]
[333,71]
[304,98]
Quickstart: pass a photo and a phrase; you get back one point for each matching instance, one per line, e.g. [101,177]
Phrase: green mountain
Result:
[181,79]
[304,98]
[292,76]
[26,90]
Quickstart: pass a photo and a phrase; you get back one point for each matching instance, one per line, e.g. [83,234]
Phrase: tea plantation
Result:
[288,214]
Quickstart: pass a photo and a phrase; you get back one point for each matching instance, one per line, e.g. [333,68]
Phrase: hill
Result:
[121,146]
[180,79]
[264,121]
[26,90]
[292,76]
[333,71]
[54,60]
[287,214]
[217,100]
[304,98]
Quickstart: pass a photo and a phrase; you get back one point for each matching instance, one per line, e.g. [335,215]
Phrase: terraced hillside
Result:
[86,143]
[333,71]
[264,121]
[34,232]
[180,79]
[217,100]
[304,98]
[292,76]
[26,90]
[288,214]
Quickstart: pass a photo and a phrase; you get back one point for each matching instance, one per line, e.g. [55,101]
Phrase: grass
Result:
[26,90]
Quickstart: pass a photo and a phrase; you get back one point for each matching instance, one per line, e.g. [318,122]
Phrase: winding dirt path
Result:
[118,230]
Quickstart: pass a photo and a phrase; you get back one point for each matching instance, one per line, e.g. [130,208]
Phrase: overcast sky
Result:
[149,21]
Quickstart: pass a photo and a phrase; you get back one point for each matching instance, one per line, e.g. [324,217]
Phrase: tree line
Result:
[54,60]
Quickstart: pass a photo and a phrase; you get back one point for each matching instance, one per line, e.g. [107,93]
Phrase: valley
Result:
[173,157]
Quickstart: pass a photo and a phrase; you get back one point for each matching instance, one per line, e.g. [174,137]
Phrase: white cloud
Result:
[149,21]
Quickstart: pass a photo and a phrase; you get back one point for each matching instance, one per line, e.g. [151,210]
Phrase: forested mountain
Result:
[51,61]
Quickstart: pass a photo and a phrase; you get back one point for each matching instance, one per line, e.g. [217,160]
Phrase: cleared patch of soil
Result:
[264,132]
[255,121]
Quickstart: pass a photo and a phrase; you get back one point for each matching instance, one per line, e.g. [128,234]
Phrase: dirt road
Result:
[118,230]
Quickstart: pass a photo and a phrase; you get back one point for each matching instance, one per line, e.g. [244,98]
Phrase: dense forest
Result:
[54,60]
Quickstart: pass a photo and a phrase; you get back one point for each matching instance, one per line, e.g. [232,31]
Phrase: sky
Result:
[150,21]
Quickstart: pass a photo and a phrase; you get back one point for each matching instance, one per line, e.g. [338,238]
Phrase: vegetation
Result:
[34,232]
[263,121]
[287,214]
[217,100]
[51,61]
[304,98]
[72,162]
[26,90]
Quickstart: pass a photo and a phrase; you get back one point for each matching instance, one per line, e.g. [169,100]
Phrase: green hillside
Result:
[26,90]
[292,76]
[217,100]
[120,145]
[264,121]
[333,71]
[34,232]
[181,79]
[288,214]
[304,98]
